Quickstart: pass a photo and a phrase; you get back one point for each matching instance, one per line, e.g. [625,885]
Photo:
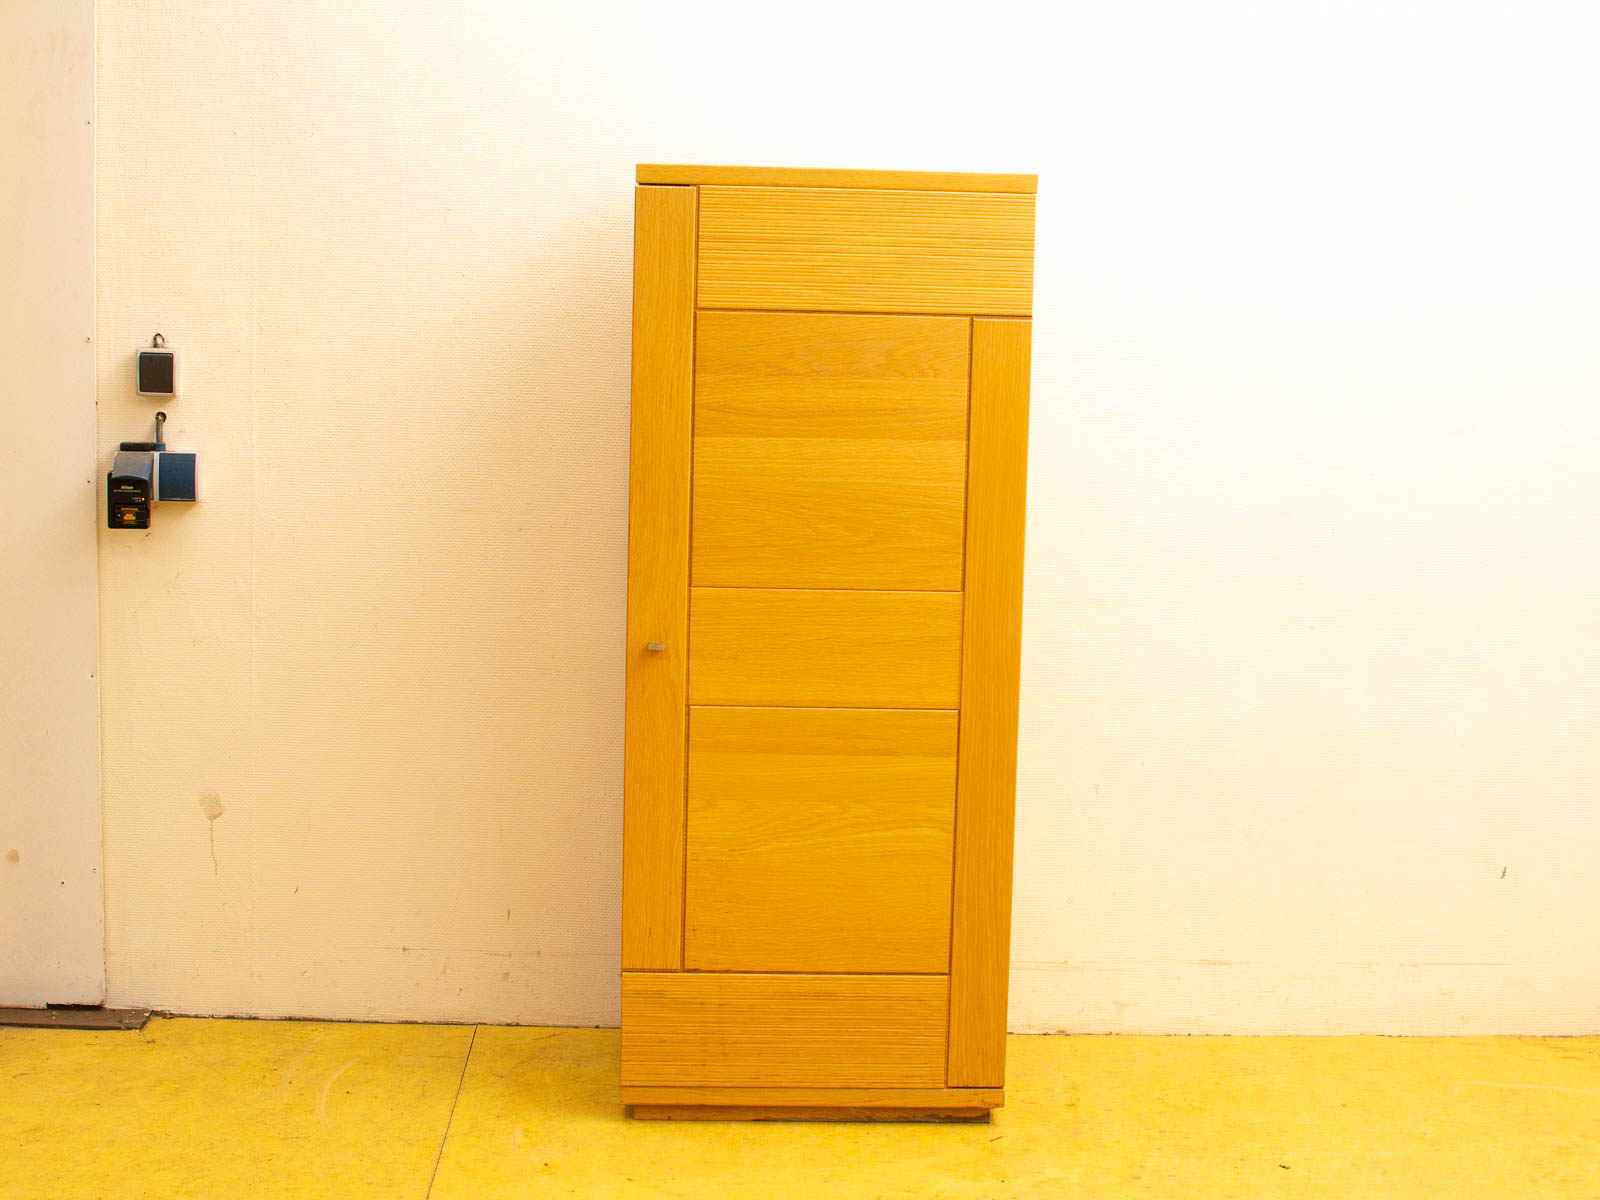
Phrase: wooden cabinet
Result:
[828,457]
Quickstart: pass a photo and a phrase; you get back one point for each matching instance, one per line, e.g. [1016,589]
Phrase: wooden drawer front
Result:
[866,251]
[820,839]
[824,649]
[830,451]
[783,1030]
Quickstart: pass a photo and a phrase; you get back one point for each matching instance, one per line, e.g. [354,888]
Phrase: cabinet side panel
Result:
[658,578]
[991,661]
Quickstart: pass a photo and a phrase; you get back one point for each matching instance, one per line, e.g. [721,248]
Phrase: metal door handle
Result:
[655,645]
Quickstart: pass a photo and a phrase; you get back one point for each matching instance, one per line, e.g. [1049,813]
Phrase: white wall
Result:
[51,912]
[1309,730]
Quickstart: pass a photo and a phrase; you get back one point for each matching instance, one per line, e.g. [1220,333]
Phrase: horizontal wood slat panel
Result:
[783,1030]
[829,450]
[866,251]
[763,374]
[820,839]
[824,649]
[829,177]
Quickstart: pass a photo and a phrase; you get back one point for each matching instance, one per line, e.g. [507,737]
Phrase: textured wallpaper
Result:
[1308,688]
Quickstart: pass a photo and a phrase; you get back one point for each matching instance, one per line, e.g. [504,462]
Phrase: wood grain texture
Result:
[830,450]
[658,578]
[847,1097]
[866,251]
[833,649]
[820,839]
[802,1112]
[824,177]
[783,1030]
[986,790]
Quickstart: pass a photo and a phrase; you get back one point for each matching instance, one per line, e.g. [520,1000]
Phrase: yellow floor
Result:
[193,1108]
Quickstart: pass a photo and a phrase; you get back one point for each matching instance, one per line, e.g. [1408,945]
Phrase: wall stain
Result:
[12,856]
[211,805]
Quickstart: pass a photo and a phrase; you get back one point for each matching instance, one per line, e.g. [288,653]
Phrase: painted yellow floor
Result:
[194,1108]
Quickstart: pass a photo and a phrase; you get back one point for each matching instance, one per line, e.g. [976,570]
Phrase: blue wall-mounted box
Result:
[177,476]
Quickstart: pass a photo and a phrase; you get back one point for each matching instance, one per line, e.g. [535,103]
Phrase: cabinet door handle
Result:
[655,645]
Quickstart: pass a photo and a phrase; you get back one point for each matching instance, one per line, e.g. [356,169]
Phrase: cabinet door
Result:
[825,523]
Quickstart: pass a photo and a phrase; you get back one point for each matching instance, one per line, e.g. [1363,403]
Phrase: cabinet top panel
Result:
[794,177]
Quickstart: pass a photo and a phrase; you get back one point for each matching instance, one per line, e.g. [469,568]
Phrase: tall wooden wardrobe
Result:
[829,449]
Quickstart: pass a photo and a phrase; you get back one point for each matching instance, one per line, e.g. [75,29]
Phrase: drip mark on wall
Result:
[211,805]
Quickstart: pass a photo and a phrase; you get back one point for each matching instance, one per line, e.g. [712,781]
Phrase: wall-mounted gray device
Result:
[158,369]
[143,472]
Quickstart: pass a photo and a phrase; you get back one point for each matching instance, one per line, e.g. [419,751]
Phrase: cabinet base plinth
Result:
[733,1112]
[684,1103]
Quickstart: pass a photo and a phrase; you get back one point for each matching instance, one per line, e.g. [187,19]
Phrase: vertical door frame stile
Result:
[967,544]
[980,936]
[688,586]
[655,737]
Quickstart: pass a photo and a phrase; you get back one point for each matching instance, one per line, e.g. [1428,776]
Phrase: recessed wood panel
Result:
[658,578]
[820,839]
[837,249]
[980,952]
[829,450]
[824,649]
[716,1030]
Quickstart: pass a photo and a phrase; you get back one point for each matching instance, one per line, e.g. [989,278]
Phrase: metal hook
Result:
[161,420]
[158,341]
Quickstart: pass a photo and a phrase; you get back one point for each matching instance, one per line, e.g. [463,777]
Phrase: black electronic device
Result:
[130,486]
[158,369]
